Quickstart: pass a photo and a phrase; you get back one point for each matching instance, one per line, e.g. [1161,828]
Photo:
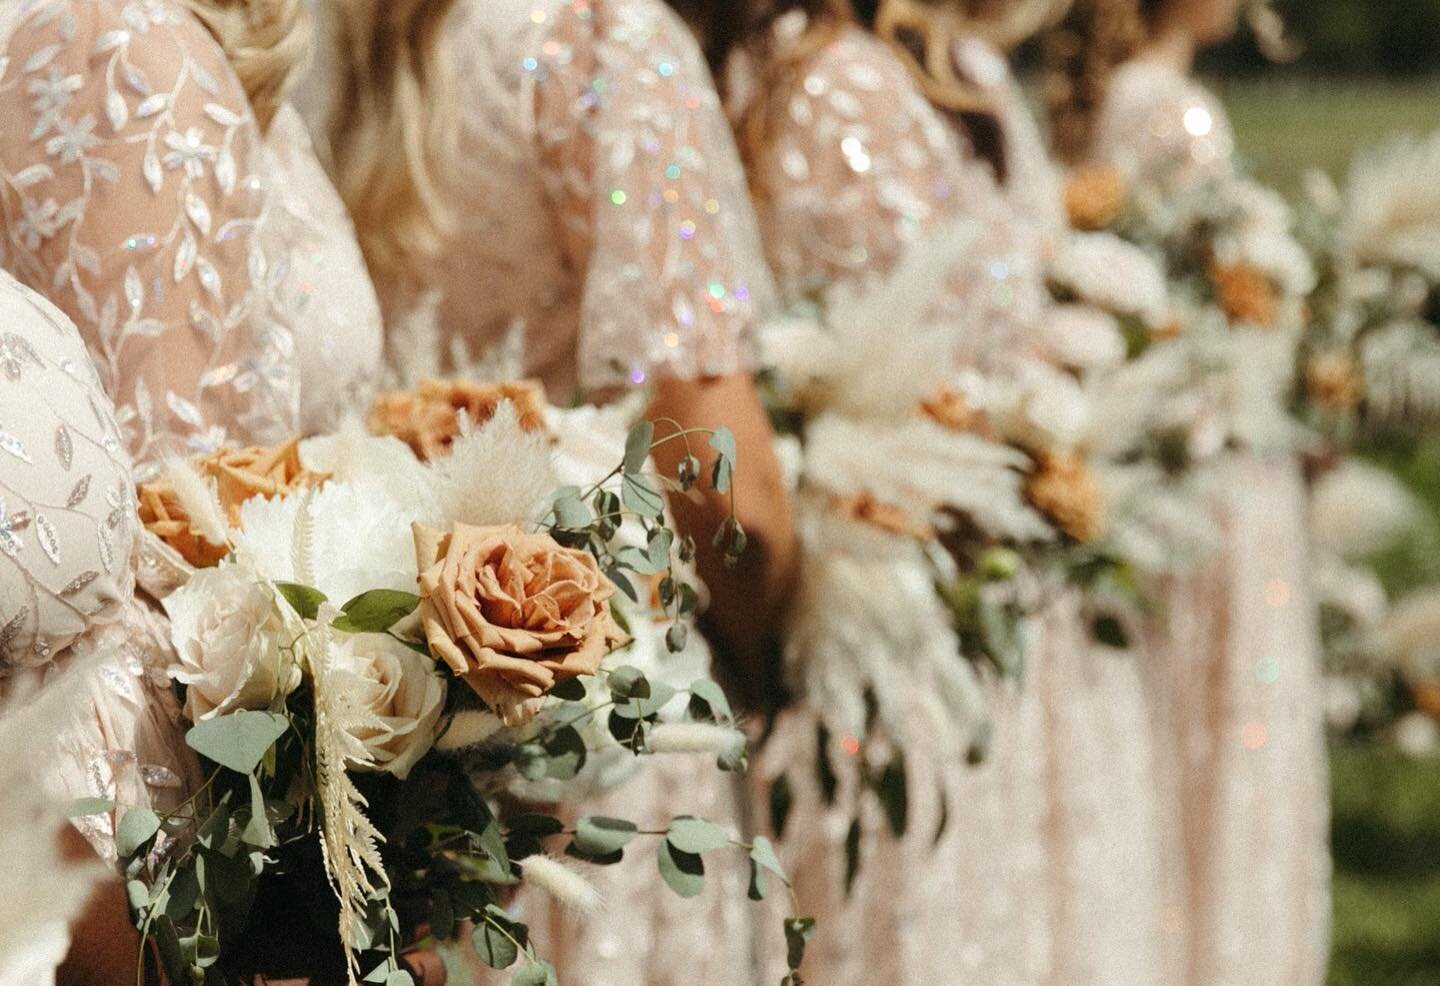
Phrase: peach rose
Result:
[428,417]
[1333,381]
[239,475]
[1094,196]
[512,613]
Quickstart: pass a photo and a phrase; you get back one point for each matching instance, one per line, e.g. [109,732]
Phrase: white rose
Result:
[226,634]
[401,689]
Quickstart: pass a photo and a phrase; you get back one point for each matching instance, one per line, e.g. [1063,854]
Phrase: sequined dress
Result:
[1046,869]
[1236,688]
[138,196]
[608,241]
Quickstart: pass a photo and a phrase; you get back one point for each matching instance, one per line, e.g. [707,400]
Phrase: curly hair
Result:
[1081,56]
[266,42]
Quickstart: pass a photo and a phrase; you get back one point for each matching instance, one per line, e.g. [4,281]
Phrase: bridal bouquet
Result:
[932,503]
[383,639]
[1371,359]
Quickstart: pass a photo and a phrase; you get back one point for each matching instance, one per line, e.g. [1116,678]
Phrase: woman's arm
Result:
[748,595]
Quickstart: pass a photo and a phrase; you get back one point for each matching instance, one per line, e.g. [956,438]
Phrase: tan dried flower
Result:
[1246,294]
[428,417]
[1094,196]
[1333,381]
[863,507]
[949,409]
[1062,487]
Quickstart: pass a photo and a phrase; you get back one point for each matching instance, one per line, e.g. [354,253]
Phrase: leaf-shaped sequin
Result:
[79,582]
[136,80]
[40,58]
[185,257]
[79,492]
[209,276]
[151,105]
[26,177]
[150,166]
[64,446]
[116,110]
[225,170]
[109,41]
[49,541]
[9,443]
[198,212]
[184,410]
[134,289]
[222,115]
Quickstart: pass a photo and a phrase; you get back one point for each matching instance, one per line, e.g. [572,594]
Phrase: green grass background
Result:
[1386,806]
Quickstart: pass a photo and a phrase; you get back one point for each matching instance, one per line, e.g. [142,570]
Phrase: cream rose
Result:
[401,688]
[227,636]
[512,613]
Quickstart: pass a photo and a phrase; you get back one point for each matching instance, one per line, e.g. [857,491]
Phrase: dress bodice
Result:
[607,231]
[67,517]
[1158,120]
[857,167]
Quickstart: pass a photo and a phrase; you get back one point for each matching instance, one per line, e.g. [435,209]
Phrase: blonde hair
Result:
[392,129]
[265,41]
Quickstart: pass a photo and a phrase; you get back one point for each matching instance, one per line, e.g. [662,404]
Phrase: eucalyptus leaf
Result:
[571,512]
[257,831]
[708,701]
[376,611]
[676,637]
[565,754]
[757,888]
[762,851]
[534,824]
[696,835]
[539,973]
[400,978]
[781,800]
[646,708]
[569,690]
[627,682]
[597,835]
[683,872]
[633,558]
[304,599]
[137,826]
[852,855]
[639,494]
[494,945]
[658,548]
[81,807]
[798,932]
[138,895]
[637,446]
[239,740]
[723,442]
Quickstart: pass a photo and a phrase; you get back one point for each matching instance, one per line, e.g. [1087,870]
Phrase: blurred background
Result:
[1369,68]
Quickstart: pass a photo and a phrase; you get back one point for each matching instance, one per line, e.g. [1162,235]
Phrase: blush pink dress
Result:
[607,241]
[1235,685]
[1047,870]
[210,275]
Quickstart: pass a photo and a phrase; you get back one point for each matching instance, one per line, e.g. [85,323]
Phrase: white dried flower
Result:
[1358,509]
[695,737]
[1113,274]
[561,883]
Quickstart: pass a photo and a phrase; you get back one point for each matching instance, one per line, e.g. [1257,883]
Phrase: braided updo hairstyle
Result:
[1081,56]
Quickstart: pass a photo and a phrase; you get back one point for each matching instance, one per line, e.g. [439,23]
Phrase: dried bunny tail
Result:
[562,883]
[695,737]
[199,499]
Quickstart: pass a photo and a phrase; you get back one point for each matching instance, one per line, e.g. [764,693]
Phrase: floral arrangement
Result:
[936,508]
[386,641]
[1371,359]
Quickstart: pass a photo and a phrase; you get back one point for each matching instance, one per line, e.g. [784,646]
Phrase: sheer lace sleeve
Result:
[641,165]
[129,197]
[67,515]
[856,168]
